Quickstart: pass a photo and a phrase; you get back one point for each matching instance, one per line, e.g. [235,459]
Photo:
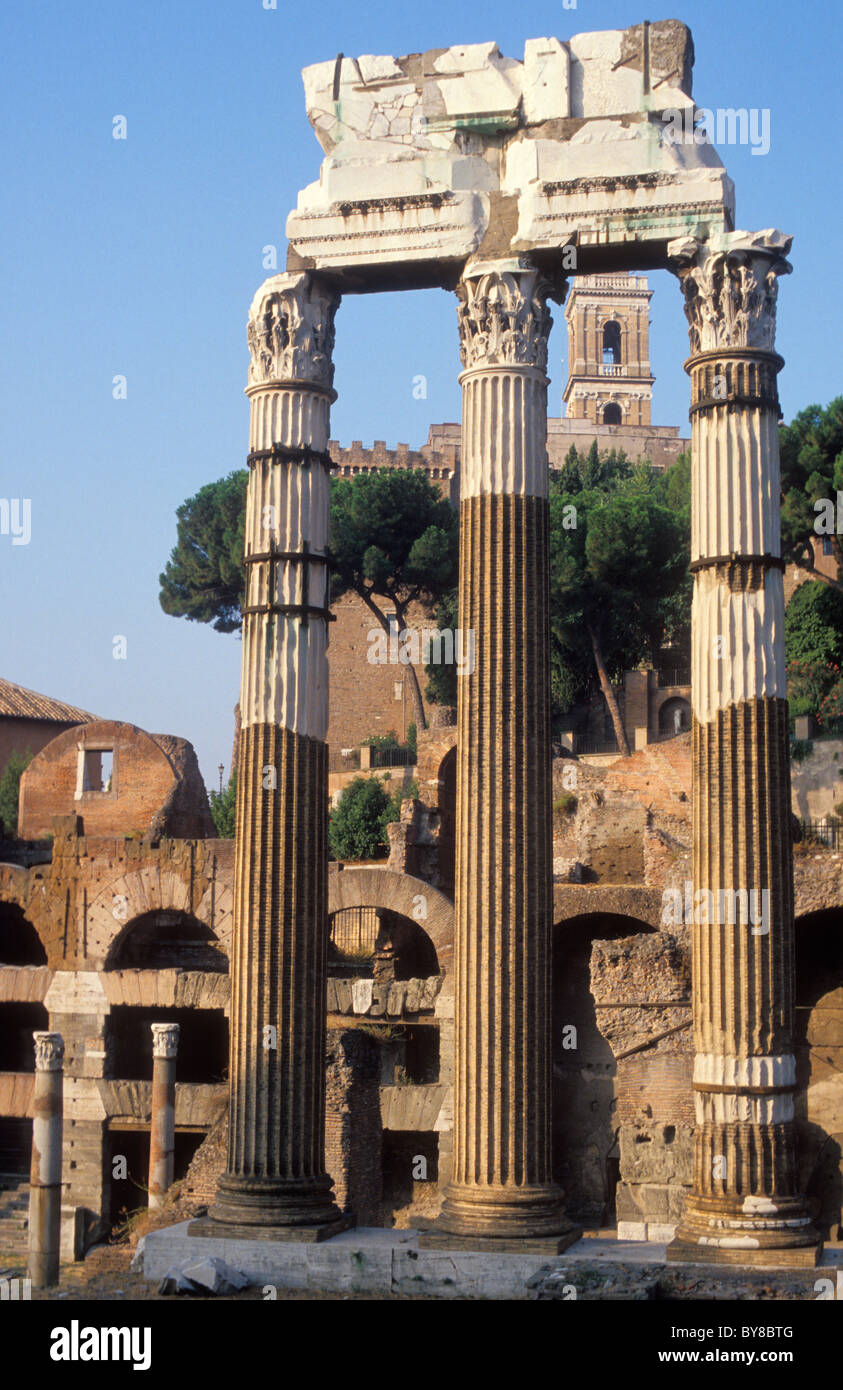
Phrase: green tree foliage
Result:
[615,575]
[593,469]
[204,576]
[224,808]
[394,542]
[813,627]
[648,524]
[10,792]
[813,624]
[441,688]
[357,826]
[812,471]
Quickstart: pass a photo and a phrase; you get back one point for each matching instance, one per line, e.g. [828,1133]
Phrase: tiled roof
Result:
[18,703]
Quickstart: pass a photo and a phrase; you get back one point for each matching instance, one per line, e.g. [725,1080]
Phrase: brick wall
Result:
[155,781]
[363,695]
[353,1123]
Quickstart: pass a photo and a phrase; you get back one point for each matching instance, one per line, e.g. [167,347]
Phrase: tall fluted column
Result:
[745,1206]
[162,1122]
[45,1173]
[276,1174]
[502,1188]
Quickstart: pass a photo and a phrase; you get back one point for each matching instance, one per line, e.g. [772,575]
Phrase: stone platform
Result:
[384,1262]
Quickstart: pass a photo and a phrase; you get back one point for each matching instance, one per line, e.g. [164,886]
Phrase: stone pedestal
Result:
[502,1188]
[162,1124]
[745,1206]
[276,1178]
[45,1173]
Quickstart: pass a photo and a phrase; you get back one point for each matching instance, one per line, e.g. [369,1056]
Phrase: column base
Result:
[794,1257]
[436,1239]
[305,1235]
[273,1208]
[751,1231]
[504,1219]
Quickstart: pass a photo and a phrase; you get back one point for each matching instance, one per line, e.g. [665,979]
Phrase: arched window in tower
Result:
[612,414]
[612,343]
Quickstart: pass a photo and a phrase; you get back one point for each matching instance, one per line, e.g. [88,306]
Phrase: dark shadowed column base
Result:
[272,1209]
[532,1220]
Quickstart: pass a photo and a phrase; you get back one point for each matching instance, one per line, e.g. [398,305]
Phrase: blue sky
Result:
[140,257]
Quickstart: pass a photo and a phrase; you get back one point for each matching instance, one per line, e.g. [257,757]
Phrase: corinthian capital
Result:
[291,331]
[49,1051]
[503,315]
[165,1039]
[730,286]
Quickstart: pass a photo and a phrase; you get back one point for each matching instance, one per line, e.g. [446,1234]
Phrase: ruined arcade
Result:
[348,1067]
[493,178]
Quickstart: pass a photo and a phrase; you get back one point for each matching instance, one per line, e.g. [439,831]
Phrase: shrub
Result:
[357,826]
[10,792]
[224,809]
[566,805]
[382,742]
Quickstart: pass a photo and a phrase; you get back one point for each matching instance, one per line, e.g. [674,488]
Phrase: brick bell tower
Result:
[609,380]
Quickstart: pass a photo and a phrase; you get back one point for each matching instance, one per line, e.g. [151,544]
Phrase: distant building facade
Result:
[608,398]
[29,721]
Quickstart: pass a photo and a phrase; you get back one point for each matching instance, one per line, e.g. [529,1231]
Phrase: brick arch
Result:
[14,885]
[151,889]
[640,904]
[369,887]
[662,697]
[18,890]
[818,886]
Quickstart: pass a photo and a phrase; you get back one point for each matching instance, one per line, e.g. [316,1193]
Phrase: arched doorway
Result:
[20,943]
[674,717]
[163,940]
[818,1042]
[166,940]
[386,1081]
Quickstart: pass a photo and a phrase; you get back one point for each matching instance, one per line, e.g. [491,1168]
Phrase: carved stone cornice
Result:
[291,331]
[730,286]
[49,1051]
[503,317]
[165,1039]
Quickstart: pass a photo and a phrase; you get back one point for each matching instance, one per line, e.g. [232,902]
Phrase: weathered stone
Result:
[659,1202]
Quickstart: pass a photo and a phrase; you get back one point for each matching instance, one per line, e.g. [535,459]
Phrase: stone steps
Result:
[14,1212]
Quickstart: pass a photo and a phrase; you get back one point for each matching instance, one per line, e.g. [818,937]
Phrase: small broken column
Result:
[45,1173]
[276,1182]
[502,1189]
[162,1124]
[745,1205]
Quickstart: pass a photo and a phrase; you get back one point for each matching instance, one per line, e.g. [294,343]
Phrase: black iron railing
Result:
[673,675]
[822,832]
[393,757]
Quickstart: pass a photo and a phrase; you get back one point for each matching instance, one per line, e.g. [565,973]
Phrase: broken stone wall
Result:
[641,987]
